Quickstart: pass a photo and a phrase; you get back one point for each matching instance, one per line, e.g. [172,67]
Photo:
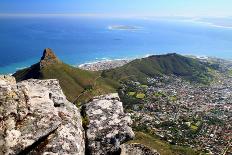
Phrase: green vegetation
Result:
[160,94]
[138,70]
[144,86]
[214,120]
[136,95]
[85,122]
[173,98]
[162,147]
[78,85]
[140,96]
[230,72]
[193,127]
[85,118]
[131,93]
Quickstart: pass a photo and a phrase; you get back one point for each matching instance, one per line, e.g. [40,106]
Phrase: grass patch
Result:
[173,98]
[73,81]
[193,127]
[144,86]
[230,72]
[140,96]
[159,94]
[131,93]
[162,147]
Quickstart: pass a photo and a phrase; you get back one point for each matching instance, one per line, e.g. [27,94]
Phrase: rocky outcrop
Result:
[48,58]
[108,125]
[4,79]
[36,118]
[137,149]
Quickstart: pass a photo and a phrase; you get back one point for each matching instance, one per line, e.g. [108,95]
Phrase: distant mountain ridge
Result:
[80,85]
[158,65]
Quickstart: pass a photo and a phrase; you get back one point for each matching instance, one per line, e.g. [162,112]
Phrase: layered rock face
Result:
[108,125]
[36,118]
[48,58]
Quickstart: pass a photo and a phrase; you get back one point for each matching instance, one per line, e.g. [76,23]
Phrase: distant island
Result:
[123,27]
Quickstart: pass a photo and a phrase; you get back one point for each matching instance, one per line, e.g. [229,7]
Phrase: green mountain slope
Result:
[161,146]
[139,69]
[78,85]
[81,85]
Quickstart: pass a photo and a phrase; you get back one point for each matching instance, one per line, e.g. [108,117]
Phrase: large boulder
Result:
[35,117]
[108,126]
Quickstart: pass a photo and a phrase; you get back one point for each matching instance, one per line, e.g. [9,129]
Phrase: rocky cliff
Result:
[36,118]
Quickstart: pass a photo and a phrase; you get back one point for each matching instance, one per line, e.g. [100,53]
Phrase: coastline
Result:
[100,64]
[104,64]
[111,39]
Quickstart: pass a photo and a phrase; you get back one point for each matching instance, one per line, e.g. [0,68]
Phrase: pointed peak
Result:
[48,58]
[48,54]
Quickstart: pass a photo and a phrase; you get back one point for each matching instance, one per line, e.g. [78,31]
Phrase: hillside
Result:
[81,85]
[78,85]
[157,65]
[161,146]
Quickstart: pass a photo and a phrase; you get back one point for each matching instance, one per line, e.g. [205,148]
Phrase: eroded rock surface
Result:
[137,149]
[108,125]
[35,117]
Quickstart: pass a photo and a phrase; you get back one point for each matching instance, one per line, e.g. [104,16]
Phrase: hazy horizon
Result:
[79,30]
[190,8]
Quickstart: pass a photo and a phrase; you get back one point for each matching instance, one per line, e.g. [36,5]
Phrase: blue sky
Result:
[119,7]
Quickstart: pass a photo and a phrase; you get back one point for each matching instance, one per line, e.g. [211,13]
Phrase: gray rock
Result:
[108,125]
[137,149]
[35,117]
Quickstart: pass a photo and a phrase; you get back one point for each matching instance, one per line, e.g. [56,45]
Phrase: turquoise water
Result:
[78,40]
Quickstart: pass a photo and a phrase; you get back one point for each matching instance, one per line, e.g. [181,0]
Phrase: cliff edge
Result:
[36,118]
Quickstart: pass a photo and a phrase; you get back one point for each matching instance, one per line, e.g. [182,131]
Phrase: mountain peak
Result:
[48,58]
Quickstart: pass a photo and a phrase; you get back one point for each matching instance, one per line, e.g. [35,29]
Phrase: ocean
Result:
[78,40]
